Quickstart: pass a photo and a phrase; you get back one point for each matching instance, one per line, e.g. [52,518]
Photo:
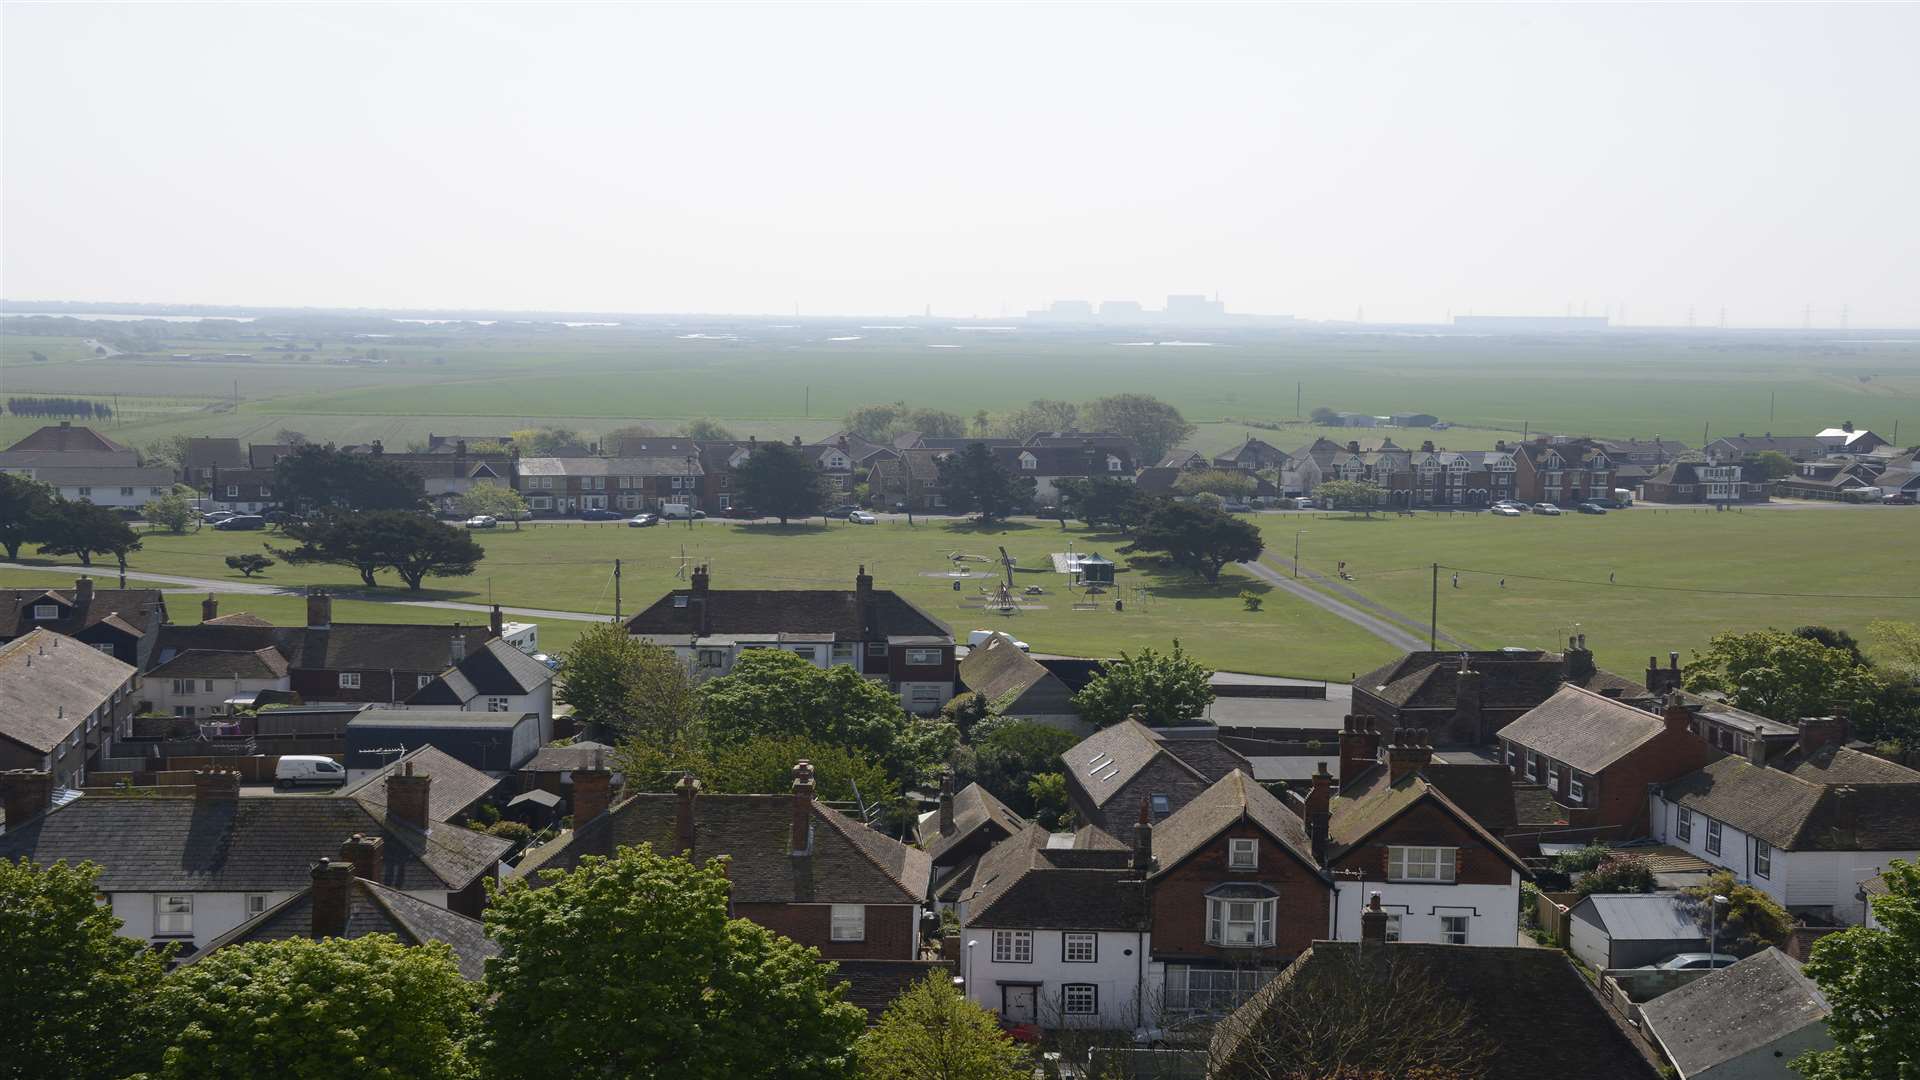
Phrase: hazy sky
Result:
[979,158]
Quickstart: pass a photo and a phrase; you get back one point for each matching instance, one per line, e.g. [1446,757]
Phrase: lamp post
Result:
[1298,533]
[1713,938]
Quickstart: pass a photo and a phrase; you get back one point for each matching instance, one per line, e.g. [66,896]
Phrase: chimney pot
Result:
[332,897]
[1373,921]
[319,610]
[1143,840]
[366,854]
[497,622]
[1408,753]
[83,591]
[801,834]
[25,794]
[209,609]
[946,802]
[211,785]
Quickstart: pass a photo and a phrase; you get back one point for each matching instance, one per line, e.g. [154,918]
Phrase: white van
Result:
[296,769]
[679,512]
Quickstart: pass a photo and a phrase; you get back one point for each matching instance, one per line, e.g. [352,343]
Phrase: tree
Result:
[974,480]
[877,423]
[289,436]
[1897,646]
[493,500]
[1038,416]
[705,429]
[616,441]
[86,530]
[24,508]
[628,966]
[1748,922]
[1324,416]
[322,478]
[1154,426]
[1871,979]
[1198,538]
[167,452]
[633,688]
[1832,638]
[173,510]
[337,539]
[1351,495]
[248,565]
[77,993]
[338,1007]
[777,480]
[775,692]
[1770,465]
[931,1032]
[1227,483]
[756,766]
[547,441]
[1105,503]
[1164,689]
[412,545]
[1051,807]
[1617,875]
[1781,676]
[935,422]
[1007,754]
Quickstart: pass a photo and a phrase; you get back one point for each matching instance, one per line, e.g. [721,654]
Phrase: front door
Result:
[1020,1004]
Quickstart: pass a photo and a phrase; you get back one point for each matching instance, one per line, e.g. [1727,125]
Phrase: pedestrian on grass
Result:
[1503,583]
[1456,581]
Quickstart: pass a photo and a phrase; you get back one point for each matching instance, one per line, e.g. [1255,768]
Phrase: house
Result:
[670,471]
[798,867]
[1253,455]
[1018,686]
[123,623]
[61,705]
[1111,771]
[1625,930]
[454,796]
[1806,827]
[1748,1020]
[878,632]
[1564,472]
[1595,755]
[1899,481]
[1464,698]
[551,769]
[1697,482]
[496,677]
[242,491]
[1845,440]
[841,462]
[1047,463]
[347,900]
[1651,454]
[82,465]
[492,742]
[1537,1017]
[209,682]
[1743,448]
[191,868]
[207,456]
[1833,480]
[962,829]
[1183,458]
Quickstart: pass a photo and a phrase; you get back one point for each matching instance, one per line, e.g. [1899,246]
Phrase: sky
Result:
[1393,163]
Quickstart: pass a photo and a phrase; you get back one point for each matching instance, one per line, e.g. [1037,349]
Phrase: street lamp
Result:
[1298,533]
[1713,938]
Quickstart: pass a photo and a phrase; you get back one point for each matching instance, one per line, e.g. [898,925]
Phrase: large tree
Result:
[1198,538]
[705,429]
[1781,676]
[877,423]
[494,500]
[77,993]
[86,530]
[756,766]
[1228,483]
[1154,426]
[1036,417]
[935,422]
[633,688]
[974,480]
[775,692]
[932,1032]
[172,511]
[1351,495]
[336,539]
[24,506]
[342,1008]
[547,441]
[1102,502]
[628,966]
[778,480]
[410,544]
[1871,978]
[1169,689]
[322,478]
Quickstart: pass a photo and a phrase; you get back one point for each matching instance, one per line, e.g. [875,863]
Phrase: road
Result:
[1388,632]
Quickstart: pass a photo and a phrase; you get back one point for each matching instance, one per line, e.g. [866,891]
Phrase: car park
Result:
[597,514]
[240,522]
[1591,508]
[862,517]
[641,521]
[1548,509]
[482,521]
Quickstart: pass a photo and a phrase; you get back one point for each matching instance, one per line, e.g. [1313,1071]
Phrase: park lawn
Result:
[1863,559]
[570,568]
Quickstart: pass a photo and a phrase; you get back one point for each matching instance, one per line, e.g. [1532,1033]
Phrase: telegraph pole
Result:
[616,588]
[1433,617]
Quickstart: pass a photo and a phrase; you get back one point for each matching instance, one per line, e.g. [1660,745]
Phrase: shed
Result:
[535,808]
[1633,930]
[1749,1020]
[491,742]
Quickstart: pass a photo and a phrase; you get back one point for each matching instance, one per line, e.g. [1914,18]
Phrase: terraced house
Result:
[1564,472]
[652,474]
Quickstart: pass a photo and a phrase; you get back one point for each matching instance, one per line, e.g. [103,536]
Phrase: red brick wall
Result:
[1428,826]
[947,670]
[1179,902]
[891,931]
[1622,797]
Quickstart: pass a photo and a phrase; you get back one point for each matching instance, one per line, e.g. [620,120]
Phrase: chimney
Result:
[407,794]
[83,592]
[1410,752]
[1319,810]
[456,649]
[946,802]
[1756,746]
[1356,751]
[801,835]
[332,897]
[688,789]
[1468,716]
[1353,446]
[460,448]
[377,449]
[862,596]
[1819,731]
[700,580]
[1579,660]
[319,610]
[1426,446]
[366,854]
[796,442]
[209,609]
[1143,840]
[497,622]
[211,785]
[593,792]
[1677,716]
[1373,921]
[25,794]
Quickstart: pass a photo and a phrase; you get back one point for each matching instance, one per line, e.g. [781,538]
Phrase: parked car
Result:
[679,512]
[213,516]
[239,522]
[1546,508]
[641,521]
[841,511]
[482,521]
[296,769]
[1692,961]
[1185,1032]
[552,662]
[1508,511]
[597,514]
[1591,508]
[1898,498]
[277,517]
[975,638]
[1303,504]
[1237,507]
[861,517]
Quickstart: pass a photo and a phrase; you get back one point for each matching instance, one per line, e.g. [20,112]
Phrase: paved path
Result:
[1355,597]
[1386,631]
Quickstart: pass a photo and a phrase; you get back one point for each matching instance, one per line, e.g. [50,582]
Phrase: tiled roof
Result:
[48,686]
[1508,680]
[372,909]
[408,647]
[974,808]
[1734,1011]
[1483,791]
[1537,1015]
[999,671]
[1583,729]
[495,668]
[1103,762]
[1373,801]
[1232,799]
[65,439]
[262,663]
[213,452]
[567,758]
[873,984]
[1024,884]
[763,611]
[1202,751]
[1838,800]
[134,606]
[1534,806]
[60,473]
[456,785]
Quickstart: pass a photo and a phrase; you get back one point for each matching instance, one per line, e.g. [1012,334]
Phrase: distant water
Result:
[437,322]
[105,317]
[848,337]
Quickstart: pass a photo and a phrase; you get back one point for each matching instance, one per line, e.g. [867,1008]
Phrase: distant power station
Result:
[1181,308]
[1511,323]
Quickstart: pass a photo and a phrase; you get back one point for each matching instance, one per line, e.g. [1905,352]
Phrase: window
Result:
[877,649]
[1161,807]
[46,611]
[423,681]
[256,904]
[1080,999]
[1713,837]
[1576,789]
[923,657]
[1079,948]
[843,652]
[496,704]
[233,491]
[1453,929]
[1028,461]
[1513,758]
[1685,825]
[1234,921]
[1243,854]
[209,686]
[173,915]
[349,680]
[713,658]
[1762,859]
[183,686]
[849,922]
[86,492]
[1553,776]
[1533,767]
[1393,928]
[126,491]
[925,696]
[1420,864]
[1013,946]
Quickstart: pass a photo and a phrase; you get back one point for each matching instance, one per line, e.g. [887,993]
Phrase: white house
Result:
[202,682]
[496,677]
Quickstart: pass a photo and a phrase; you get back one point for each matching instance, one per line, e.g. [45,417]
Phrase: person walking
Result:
[1456,581]
[1503,583]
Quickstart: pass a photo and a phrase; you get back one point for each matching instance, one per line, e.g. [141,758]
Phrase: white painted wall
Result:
[205,702]
[1117,972]
[1769,1062]
[214,913]
[1492,911]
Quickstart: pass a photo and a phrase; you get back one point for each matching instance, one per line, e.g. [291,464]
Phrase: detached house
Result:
[1595,755]
[1697,482]
[1110,772]
[1046,464]
[82,465]
[966,825]
[1252,455]
[1464,698]
[123,623]
[495,677]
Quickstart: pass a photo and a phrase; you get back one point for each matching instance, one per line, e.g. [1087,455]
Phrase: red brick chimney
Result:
[1409,753]
[1580,666]
[25,794]
[319,610]
[946,802]
[366,854]
[592,792]
[209,609]
[83,592]
[1143,840]
[215,784]
[332,897]
[863,598]
[1468,716]
[697,602]
[1819,731]
[683,832]
[497,622]
[1319,810]
[1678,717]
[1373,921]
[1356,755]
[801,835]
[408,796]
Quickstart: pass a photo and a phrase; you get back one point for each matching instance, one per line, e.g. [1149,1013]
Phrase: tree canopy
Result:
[773,692]
[322,477]
[1103,502]
[1351,495]
[1781,676]
[1038,416]
[705,429]
[1749,921]
[1871,978]
[1169,689]
[1197,538]
[1228,483]
[172,511]
[778,480]
[931,1032]
[633,688]
[756,766]
[24,506]
[493,500]
[1154,426]
[410,544]
[974,480]
[86,530]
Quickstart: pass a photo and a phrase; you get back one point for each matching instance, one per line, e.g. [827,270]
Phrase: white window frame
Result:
[1576,788]
[1713,836]
[1762,858]
[1240,922]
[843,652]
[173,915]
[712,658]
[46,611]
[1553,775]
[1079,948]
[849,922]
[256,904]
[1013,946]
[1533,764]
[1243,854]
[423,681]
[1454,927]
[349,680]
[497,704]
[923,657]
[1683,825]
[1431,865]
[1393,927]
[1079,999]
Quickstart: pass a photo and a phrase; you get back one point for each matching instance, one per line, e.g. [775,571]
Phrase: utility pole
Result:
[1770,394]
[1433,617]
[1296,400]
[616,588]
[806,402]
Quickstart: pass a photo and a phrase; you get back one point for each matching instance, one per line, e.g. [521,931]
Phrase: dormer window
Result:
[1028,461]
[46,611]
[1161,807]
[1113,463]
[679,600]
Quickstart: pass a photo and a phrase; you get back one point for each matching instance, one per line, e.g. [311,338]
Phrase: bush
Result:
[1579,862]
[1251,599]
[1616,875]
[1750,920]
[510,830]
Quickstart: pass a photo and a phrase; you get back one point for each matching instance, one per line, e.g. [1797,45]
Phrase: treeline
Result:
[63,407]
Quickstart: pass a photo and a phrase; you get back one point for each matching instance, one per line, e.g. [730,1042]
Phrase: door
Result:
[1020,1004]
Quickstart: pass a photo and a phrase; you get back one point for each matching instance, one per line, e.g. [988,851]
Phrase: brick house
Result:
[1564,472]
[964,827]
[670,471]
[122,623]
[1596,755]
[1697,482]
[1834,480]
[1112,771]
[61,705]
[1252,455]
[1464,698]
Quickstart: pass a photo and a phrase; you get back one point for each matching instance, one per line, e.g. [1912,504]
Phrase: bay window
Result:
[1241,915]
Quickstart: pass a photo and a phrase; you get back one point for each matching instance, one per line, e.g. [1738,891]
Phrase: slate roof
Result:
[250,844]
[66,439]
[1065,460]
[1834,800]
[61,473]
[999,671]
[456,785]
[1483,791]
[215,452]
[136,607]
[974,807]
[851,864]
[1794,446]
[1559,1029]
[1103,762]
[1734,1010]
[567,758]
[790,611]
[372,909]
[1023,884]
[1583,729]
[48,685]
[261,663]
[1232,799]
[1373,801]
[1508,680]
[1645,916]
[1157,479]
[495,668]
[408,647]
[1202,751]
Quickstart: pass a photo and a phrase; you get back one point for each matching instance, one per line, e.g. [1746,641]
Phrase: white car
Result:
[862,517]
[482,521]
[977,638]
[1509,511]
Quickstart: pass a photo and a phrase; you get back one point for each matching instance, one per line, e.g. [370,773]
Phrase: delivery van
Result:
[297,769]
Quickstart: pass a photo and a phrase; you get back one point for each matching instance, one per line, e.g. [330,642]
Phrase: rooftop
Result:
[1734,1011]
[49,684]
